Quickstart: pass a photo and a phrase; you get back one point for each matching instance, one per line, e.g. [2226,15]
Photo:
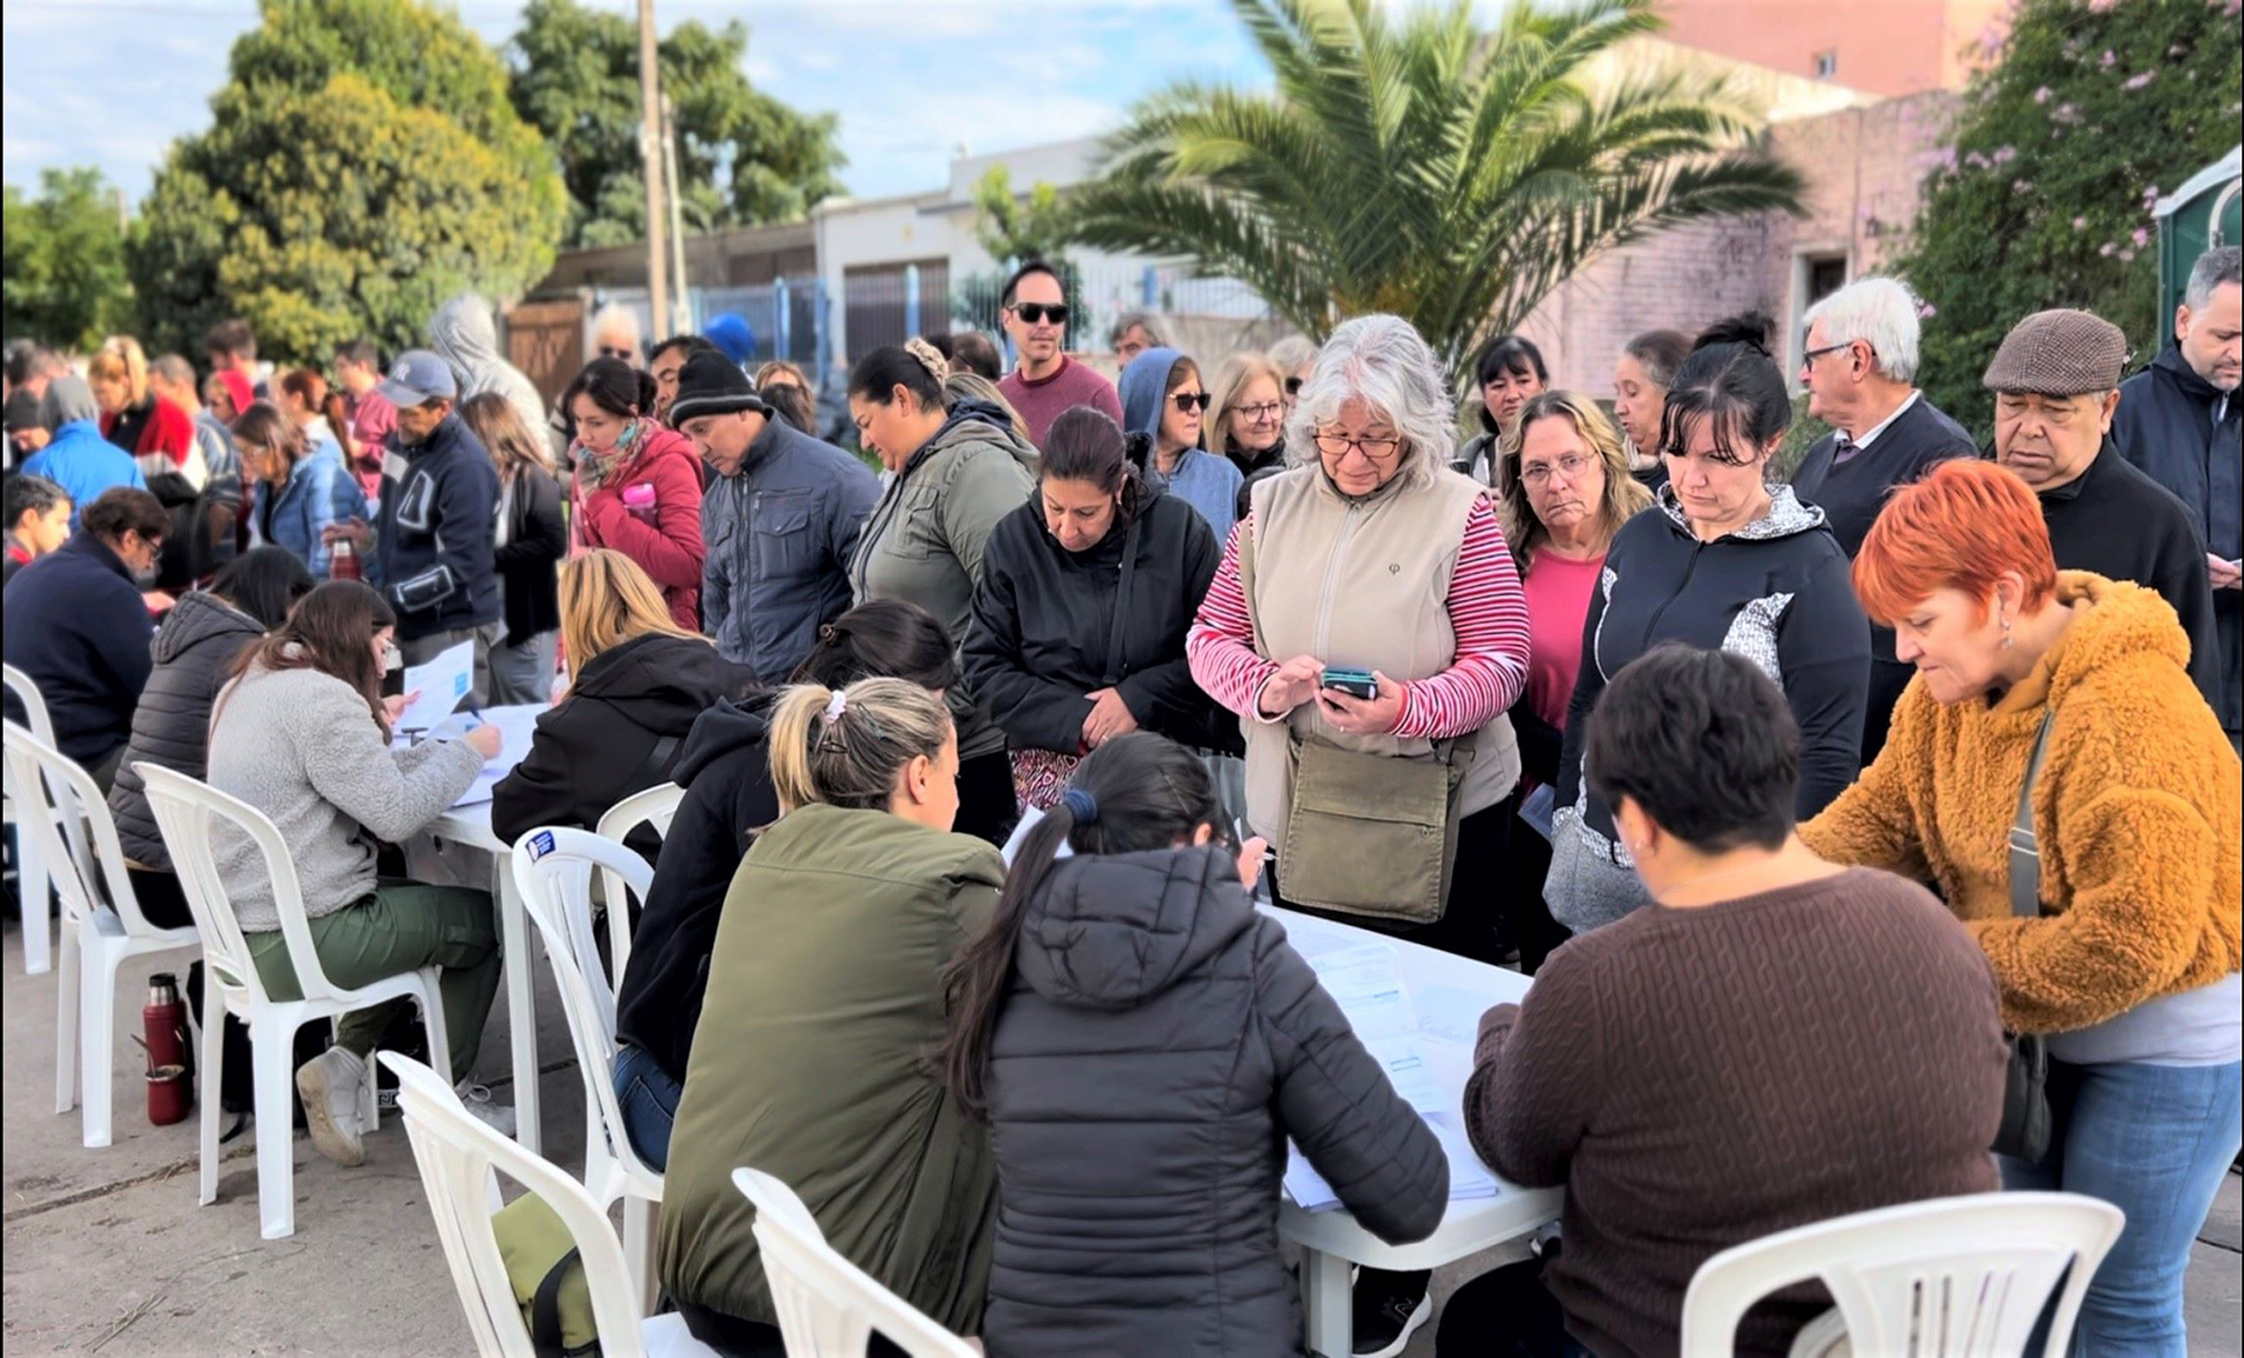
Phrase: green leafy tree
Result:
[65,261]
[363,165]
[1016,226]
[1406,160]
[2061,148]
[743,156]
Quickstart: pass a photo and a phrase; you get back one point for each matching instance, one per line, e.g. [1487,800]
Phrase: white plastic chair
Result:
[31,861]
[188,811]
[828,1307]
[458,1156]
[553,870]
[101,920]
[656,808]
[1957,1277]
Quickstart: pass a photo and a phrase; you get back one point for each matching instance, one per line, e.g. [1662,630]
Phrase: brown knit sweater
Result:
[1697,1078]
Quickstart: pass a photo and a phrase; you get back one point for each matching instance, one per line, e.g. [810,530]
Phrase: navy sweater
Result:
[78,627]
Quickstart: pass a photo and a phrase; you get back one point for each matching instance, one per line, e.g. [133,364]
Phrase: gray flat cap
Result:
[2059,353]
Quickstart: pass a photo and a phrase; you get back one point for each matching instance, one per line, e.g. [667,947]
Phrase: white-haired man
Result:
[1859,365]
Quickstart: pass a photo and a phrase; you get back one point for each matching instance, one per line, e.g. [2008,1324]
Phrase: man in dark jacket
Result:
[780,519]
[2179,420]
[2056,385]
[79,627]
[429,550]
[1860,368]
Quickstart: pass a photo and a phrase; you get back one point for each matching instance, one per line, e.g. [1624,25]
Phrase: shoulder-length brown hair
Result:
[331,630]
[507,437]
[1624,494]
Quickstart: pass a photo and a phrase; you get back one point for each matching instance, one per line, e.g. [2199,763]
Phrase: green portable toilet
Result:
[2194,218]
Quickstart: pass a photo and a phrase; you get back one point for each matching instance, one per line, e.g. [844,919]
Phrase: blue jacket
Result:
[433,557]
[320,491]
[85,464]
[780,536]
[78,627]
[1203,480]
[2165,426]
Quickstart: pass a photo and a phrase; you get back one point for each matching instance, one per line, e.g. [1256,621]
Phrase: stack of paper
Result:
[1468,1177]
[516,726]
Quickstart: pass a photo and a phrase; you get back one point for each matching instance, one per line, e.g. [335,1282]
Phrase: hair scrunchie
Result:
[1081,805]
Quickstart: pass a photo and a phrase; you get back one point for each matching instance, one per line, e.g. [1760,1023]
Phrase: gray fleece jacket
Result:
[300,746]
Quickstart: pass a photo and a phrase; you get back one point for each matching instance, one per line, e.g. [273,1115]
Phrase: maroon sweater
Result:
[1697,1078]
[1071,384]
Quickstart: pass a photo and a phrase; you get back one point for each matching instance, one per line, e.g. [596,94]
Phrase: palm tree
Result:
[1419,165]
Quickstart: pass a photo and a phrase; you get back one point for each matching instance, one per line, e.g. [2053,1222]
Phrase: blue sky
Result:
[112,82]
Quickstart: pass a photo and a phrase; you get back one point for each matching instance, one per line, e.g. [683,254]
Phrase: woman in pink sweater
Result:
[638,487]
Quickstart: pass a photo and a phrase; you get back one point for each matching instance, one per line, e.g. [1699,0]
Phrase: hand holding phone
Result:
[1355,683]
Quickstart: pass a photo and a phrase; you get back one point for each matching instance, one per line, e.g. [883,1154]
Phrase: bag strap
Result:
[545,1309]
[1114,657]
[2025,849]
[1246,579]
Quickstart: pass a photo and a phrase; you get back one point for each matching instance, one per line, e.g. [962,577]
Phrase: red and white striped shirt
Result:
[1487,610]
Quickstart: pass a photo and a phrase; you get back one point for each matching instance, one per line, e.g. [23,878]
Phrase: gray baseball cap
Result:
[418,377]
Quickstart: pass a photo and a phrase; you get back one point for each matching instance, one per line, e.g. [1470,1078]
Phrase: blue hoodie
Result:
[1201,479]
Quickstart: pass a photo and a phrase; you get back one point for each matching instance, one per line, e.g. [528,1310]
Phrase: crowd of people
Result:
[1929,749]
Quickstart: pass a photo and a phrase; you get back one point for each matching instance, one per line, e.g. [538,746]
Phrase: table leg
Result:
[1327,1302]
[521,1001]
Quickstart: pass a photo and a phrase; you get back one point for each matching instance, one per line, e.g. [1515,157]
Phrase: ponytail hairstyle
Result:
[888,639]
[913,365]
[615,386]
[1137,793]
[1731,381]
[844,748]
[331,630]
[1084,444]
[308,388]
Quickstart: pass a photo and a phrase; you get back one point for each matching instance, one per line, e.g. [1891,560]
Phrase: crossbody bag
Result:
[2024,1133]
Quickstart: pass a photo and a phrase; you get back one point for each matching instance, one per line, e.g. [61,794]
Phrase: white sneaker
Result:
[499,1117]
[331,1085]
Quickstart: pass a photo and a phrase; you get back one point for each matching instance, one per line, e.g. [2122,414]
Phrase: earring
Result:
[2007,640]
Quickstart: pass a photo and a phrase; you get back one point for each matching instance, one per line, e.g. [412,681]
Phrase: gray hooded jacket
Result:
[1159,1043]
[464,335]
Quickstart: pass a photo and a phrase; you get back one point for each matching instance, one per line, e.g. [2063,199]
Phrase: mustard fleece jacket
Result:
[2139,813]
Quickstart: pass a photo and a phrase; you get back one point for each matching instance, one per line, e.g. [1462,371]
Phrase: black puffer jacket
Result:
[1044,619]
[725,771]
[193,651]
[1160,1042]
[618,732]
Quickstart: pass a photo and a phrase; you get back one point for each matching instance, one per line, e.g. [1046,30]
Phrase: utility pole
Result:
[650,147]
[682,321]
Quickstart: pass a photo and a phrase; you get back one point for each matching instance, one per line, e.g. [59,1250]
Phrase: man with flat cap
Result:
[781,518]
[2056,385]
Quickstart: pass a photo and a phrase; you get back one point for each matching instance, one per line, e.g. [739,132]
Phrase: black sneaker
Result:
[1389,1308]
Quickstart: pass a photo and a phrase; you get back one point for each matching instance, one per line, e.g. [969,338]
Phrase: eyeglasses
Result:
[1189,401]
[1373,449]
[1807,360]
[1036,313]
[1570,466]
[1293,386]
[1256,414]
[617,351]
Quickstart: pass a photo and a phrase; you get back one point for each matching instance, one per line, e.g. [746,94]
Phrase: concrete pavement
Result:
[107,1252]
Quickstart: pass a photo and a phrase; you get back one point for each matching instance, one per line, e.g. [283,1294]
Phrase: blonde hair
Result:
[505,435]
[847,752]
[780,365]
[975,387]
[1624,494]
[1231,382]
[607,600]
[121,359]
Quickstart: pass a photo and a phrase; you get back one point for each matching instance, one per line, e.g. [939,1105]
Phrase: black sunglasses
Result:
[1192,400]
[1293,386]
[1036,313]
[616,351]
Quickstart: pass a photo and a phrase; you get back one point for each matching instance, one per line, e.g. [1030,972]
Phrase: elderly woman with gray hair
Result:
[1368,626]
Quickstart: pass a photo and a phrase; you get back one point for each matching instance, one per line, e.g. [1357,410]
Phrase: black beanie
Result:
[711,384]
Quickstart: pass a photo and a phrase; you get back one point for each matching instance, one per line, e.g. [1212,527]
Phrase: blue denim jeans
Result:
[648,1098]
[2153,1141]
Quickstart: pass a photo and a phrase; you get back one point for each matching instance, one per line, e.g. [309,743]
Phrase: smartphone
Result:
[1355,683]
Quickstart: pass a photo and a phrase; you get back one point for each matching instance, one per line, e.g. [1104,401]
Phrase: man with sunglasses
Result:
[1047,381]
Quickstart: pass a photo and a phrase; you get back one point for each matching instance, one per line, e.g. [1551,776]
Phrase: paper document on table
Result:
[1366,982]
[517,726]
[1469,1179]
[442,684]
[1450,1014]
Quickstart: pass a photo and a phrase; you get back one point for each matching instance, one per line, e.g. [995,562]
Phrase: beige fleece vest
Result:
[1360,585]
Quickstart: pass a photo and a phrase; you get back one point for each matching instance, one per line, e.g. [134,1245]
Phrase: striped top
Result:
[1487,611]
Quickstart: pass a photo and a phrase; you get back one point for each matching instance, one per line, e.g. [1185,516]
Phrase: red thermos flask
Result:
[164,1019]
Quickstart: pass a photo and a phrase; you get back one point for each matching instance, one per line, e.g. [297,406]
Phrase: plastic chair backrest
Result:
[1959,1277]
[553,869]
[827,1305]
[457,1155]
[657,806]
[187,812]
[25,691]
[71,819]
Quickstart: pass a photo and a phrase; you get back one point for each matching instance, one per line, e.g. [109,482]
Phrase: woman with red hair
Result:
[2060,704]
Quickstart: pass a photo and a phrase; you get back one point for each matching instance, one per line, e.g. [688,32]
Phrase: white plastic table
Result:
[1331,1239]
[470,828]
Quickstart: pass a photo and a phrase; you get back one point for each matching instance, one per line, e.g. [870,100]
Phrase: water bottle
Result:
[342,561]
[164,1024]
